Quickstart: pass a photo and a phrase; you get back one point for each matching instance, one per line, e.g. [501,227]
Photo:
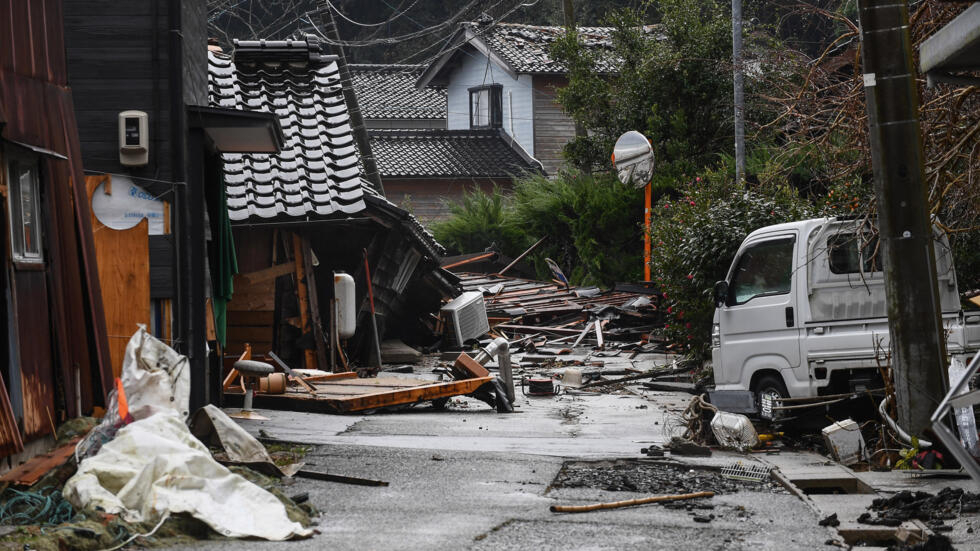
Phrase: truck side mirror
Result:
[721,293]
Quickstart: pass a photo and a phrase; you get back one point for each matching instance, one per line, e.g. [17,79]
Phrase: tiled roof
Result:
[388,92]
[449,153]
[526,48]
[316,173]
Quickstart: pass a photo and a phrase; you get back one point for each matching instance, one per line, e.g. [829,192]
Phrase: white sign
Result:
[127,206]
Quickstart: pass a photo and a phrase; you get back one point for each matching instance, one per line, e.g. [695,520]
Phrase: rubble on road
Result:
[650,477]
[948,504]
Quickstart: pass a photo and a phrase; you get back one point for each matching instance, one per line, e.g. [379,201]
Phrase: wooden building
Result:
[503,76]
[426,171]
[139,74]
[424,167]
[54,346]
[305,213]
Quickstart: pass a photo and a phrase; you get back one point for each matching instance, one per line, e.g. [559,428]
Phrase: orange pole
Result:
[646,232]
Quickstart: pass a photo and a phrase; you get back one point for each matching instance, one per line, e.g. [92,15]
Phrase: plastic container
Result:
[733,430]
[344,305]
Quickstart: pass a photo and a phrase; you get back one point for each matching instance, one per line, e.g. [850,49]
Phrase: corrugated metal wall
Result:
[60,325]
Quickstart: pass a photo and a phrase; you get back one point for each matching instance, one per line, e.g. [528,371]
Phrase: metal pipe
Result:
[500,348]
[904,436]
[739,91]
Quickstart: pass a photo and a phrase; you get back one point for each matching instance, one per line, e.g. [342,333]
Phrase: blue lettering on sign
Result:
[140,194]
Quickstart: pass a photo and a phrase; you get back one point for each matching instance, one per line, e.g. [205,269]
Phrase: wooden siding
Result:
[552,127]
[474,70]
[429,198]
[118,60]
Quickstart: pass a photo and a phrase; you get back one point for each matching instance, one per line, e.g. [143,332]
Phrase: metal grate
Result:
[754,472]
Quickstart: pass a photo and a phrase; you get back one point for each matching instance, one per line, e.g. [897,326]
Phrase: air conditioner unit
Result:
[465,318]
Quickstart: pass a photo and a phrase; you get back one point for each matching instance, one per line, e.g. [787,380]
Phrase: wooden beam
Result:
[303,295]
[267,274]
[314,299]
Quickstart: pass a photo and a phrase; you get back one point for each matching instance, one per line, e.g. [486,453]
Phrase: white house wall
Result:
[516,97]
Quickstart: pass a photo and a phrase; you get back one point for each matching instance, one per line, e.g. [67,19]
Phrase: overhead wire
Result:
[370,25]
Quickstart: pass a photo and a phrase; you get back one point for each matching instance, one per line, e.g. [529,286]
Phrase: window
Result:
[852,254]
[25,211]
[486,109]
[764,269]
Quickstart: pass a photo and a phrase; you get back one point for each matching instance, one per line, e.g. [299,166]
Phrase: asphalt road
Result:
[470,478]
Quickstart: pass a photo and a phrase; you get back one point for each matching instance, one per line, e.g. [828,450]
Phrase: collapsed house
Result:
[300,216]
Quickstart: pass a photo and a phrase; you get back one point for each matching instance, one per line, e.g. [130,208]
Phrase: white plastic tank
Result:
[345,312]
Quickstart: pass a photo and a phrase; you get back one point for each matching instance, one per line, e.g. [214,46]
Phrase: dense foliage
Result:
[593,225]
[481,221]
[695,237]
[674,86]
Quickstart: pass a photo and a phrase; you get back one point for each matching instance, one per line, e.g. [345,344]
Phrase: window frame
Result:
[495,114]
[863,244]
[731,301]
[19,256]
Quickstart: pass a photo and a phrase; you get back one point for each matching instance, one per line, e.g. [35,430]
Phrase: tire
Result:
[772,386]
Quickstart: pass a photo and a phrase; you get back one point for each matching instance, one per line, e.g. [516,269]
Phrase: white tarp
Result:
[154,466]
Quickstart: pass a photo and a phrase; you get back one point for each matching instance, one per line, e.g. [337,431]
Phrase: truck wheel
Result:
[768,389]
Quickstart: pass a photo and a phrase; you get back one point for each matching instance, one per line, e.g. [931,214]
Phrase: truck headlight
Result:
[716,335]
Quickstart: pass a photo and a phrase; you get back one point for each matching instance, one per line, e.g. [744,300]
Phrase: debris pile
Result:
[578,315]
[948,504]
[645,477]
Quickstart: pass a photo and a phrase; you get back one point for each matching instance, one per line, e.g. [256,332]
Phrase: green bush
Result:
[479,221]
[593,224]
[695,235]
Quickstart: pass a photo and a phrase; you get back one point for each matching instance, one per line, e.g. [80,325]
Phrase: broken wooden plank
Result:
[27,474]
[303,295]
[317,475]
[468,368]
[534,329]
[627,503]
[267,274]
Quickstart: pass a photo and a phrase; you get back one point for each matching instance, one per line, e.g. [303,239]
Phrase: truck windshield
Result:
[763,269]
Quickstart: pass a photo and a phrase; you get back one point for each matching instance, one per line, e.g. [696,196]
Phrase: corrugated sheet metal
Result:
[36,107]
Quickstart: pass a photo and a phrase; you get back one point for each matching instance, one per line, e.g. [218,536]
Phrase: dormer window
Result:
[486,109]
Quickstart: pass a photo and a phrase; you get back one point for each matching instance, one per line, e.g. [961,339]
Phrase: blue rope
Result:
[45,507]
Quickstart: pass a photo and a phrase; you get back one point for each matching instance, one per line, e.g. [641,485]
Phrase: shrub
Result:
[593,224]
[479,221]
[695,235]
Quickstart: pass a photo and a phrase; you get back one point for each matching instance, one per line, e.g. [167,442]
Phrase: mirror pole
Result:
[646,231]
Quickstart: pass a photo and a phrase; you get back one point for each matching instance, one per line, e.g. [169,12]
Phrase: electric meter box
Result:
[134,138]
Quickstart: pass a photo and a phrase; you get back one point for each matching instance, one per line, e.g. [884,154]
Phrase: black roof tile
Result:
[449,153]
[388,92]
[317,171]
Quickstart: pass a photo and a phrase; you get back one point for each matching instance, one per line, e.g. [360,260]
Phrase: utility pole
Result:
[739,86]
[568,11]
[353,110]
[905,230]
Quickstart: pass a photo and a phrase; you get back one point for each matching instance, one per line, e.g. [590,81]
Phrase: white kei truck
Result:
[802,314]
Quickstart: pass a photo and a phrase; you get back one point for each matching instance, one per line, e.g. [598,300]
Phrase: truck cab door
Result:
[759,322]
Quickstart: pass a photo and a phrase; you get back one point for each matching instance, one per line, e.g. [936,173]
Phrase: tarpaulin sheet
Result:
[154,466]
